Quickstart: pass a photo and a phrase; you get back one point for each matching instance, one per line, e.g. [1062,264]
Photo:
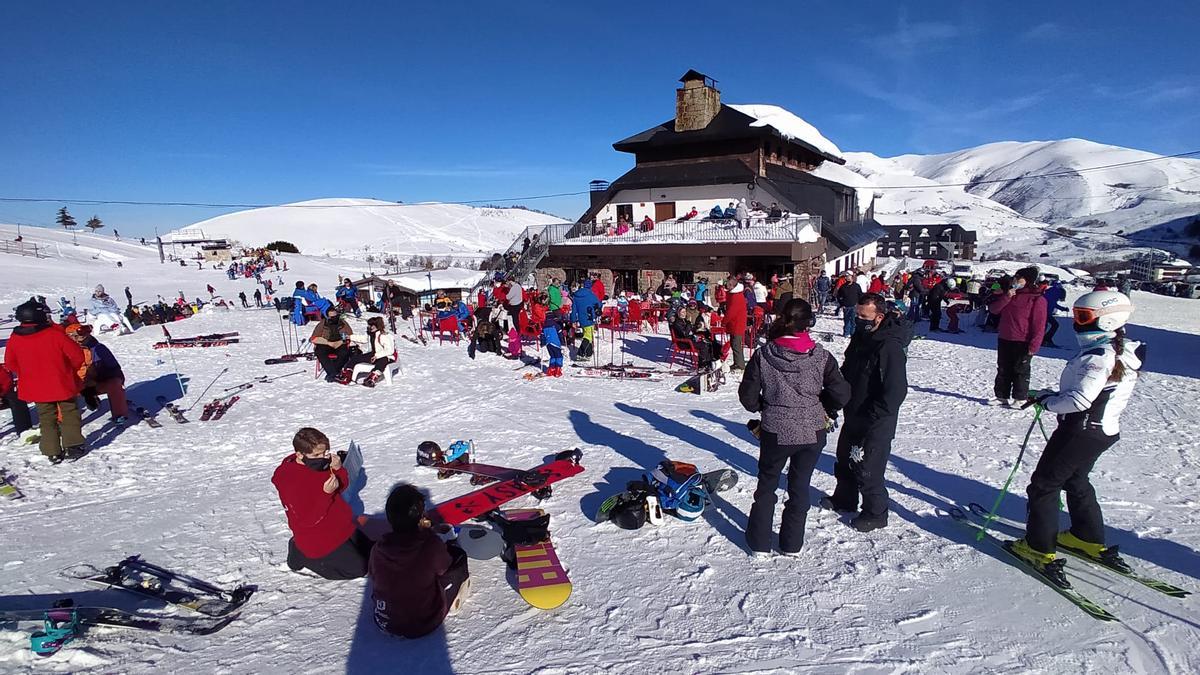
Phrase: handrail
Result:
[699,230]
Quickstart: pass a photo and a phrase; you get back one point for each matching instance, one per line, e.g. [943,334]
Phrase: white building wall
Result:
[859,257]
[703,197]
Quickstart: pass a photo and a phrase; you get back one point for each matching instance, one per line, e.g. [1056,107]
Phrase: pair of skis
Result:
[213,340]
[974,518]
[175,411]
[216,409]
[291,358]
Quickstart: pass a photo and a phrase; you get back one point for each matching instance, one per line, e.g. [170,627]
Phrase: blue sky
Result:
[264,102]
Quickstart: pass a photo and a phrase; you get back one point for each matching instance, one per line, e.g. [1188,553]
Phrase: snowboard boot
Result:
[826,502]
[865,523]
[1047,564]
[1107,556]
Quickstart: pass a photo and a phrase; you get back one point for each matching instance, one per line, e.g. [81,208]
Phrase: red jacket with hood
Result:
[45,361]
[320,522]
[735,312]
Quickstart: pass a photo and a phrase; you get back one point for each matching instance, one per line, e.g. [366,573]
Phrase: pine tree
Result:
[65,219]
[95,223]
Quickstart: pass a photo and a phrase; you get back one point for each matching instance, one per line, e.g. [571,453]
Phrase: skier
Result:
[554,296]
[45,362]
[1094,388]
[100,374]
[418,575]
[106,313]
[875,367]
[552,337]
[212,292]
[933,302]
[1022,312]
[324,536]
[1055,294]
[796,385]
[242,297]
[329,343]
[735,322]
[258,297]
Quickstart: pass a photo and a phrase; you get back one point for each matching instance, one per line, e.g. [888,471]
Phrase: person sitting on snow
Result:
[101,373]
[417,573]
[325,538]
[106,313]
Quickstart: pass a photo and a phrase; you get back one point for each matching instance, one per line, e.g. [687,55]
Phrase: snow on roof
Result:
[788,125]
[451,277]
[840,174]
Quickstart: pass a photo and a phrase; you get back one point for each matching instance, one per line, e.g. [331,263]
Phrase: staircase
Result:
[526,262]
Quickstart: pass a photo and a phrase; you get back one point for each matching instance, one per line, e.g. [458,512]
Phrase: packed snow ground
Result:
[919,596]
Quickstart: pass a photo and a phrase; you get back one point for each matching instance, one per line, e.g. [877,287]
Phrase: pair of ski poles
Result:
[1037,422]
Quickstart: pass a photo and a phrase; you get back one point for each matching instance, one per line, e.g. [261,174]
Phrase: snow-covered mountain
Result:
[1003,191]
[353,227]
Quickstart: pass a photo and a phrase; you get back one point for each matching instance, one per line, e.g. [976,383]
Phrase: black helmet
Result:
[429,454]
[33,312]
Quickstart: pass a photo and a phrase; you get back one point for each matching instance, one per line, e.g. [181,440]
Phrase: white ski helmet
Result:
[1102,310]
[951,283]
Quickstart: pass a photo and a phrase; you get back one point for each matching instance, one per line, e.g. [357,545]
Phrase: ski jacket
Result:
[876,368]
[795,383]
[1087,397]
[598,289]
[381,345]
[1054,295]
[104,365]
[324,334]
[729,213]
[1022,317]
[741,212]
[46,362]
[104,304]
[751,299]
[515,294]
[406,570]
[6,382]
[735,312]
[585,307]
[760,293]
[849,294]
[554,293]
[716,213]
[701,291]
[319,522]
[346,293]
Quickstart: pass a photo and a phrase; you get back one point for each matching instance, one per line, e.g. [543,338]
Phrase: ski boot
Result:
[1107,556]
[1046,564]
[345,376]
[372,379]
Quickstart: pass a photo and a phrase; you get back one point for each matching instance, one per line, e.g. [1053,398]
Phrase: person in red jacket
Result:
[46,363]
[598,288]
[735,322]
[325,538]
[22,422]
[416,574]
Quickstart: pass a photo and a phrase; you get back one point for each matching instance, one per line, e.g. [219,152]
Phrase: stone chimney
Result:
[697,102]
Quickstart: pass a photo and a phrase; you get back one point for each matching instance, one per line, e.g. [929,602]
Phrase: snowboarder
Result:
[876,368]
[1094,388]
[796,385]
[1022,312]
[45,362]
[325,538]
[418,574]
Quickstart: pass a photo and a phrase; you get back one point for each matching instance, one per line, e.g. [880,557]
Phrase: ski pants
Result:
[1065,464]
[114,389]
[108,320]
[1051,328]
[935,315]
[22,420]
[348,561]
[554,346]
[862,456]
[332,360]
[737,348]
[60,425]
[1012,369]
[800,461]
[952,314]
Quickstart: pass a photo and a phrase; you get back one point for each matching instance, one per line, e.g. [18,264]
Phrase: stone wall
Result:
[695,107]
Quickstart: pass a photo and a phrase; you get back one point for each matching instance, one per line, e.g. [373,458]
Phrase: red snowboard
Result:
[474,504]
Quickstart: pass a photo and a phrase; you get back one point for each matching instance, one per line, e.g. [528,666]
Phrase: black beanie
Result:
[405,507]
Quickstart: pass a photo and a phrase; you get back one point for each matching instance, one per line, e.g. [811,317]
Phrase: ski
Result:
[137,576]
[1149,582]
[173,344]
[175,411]
[8,488]
[145,416]
[117,618]
[619,374]
[1078,599]
[224,407]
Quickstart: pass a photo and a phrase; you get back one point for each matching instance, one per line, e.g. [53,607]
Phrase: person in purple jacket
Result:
[1022,312]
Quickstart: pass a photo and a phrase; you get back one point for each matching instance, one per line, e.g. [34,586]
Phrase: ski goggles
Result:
[1083,316]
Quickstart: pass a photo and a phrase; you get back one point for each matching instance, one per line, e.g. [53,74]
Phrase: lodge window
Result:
[904,234]
[625,280]
[681,276]
[625,211]
[574,275]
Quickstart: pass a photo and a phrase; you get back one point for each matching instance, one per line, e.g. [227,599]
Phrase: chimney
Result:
[697,102]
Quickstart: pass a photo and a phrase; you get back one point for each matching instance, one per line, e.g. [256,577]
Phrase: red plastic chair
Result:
[685,349]
[634,322]
[447,329]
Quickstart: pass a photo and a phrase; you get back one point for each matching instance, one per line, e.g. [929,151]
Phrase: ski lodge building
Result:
[714,154]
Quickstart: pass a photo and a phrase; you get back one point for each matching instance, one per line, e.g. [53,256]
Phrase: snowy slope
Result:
[919,596]
[353,227]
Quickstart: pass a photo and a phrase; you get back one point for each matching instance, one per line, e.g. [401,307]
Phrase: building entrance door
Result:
[664,211]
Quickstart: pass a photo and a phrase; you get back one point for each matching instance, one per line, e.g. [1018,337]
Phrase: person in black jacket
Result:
[797,386]
[875,367]
[848,296]
[933,302]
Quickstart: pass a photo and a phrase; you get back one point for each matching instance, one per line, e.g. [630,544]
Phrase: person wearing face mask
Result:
[876,367]
[1093,390]
[1022,312]
[329,343]
[325,539]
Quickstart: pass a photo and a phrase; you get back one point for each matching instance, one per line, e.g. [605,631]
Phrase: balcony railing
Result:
[800,229]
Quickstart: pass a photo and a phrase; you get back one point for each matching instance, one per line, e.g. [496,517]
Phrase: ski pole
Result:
[210,386]
[1037,417]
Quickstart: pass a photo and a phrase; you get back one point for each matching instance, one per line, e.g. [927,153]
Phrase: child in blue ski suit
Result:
[552,338]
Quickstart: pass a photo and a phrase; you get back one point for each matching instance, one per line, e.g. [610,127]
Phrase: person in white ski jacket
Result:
[863,281]
[760,293]
[379,349]
[1093,390]
[106,313]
